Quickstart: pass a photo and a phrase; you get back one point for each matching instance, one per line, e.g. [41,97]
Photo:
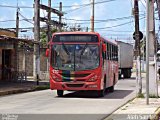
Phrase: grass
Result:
[43,87]
[150,96]
[141,95]
[154,96]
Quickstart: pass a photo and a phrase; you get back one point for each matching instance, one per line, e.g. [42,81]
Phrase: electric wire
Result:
[25,18]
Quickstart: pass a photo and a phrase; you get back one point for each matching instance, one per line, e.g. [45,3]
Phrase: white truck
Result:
[125,59]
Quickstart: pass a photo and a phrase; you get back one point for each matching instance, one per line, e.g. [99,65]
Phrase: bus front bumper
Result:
[76,86]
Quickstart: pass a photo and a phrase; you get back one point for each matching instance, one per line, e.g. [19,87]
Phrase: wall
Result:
[29,61]
[0,64]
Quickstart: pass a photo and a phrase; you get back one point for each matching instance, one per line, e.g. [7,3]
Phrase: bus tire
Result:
[111,89]
[101,93]
[60,93]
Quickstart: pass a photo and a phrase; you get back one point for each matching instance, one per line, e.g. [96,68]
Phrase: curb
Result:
[108,117]
[157,115]
[16,91]
[21,90]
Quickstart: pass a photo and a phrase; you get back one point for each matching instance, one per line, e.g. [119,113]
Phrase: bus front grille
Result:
[74,85]
[74,75]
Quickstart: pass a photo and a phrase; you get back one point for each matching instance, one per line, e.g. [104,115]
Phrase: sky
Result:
[108,10]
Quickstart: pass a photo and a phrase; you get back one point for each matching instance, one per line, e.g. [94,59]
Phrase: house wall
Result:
[0,64]
[29,61]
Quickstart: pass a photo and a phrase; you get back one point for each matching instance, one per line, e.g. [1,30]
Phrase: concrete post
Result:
[36,63]
[152,59]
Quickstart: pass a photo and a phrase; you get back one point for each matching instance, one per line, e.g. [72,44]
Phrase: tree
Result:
[76,28]
[43,36]
[143,45]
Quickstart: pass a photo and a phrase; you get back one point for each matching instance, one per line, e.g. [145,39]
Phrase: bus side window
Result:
[111,52]
[104,53]
[114,56]
[116,53]
[108,51]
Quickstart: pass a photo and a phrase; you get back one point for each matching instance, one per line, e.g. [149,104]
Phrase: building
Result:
[9,55]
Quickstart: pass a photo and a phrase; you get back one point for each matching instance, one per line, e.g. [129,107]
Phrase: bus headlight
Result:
[93,78]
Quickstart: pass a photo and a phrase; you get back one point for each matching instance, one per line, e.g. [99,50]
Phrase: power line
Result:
[9,6]
[143,4]
[118,31]
[112,19]
[95,28]
[14,20]
[85,5]
[108,20]
[82,5]
[114,26]
[25,18]
[119,24]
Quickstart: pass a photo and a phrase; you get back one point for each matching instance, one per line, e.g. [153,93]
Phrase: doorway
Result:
[6,63]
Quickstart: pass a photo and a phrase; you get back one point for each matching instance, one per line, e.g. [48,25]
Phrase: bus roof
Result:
[86,33]
[109,41]
[76,32]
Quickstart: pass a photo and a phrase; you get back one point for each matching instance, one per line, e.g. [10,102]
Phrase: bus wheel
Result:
[101,93]
[60,93]
[111,89]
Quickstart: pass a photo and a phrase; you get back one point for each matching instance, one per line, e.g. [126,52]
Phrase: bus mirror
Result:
[47,52]
[104,47]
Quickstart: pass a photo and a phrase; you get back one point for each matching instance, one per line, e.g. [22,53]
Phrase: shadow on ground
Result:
[132,78]
[117,94]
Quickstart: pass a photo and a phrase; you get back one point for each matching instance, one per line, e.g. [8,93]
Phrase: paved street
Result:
[82,105]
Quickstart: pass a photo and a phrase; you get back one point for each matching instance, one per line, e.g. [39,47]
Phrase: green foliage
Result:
[141,95]
[153,96]
[43,36]
[44,87]
[143,45]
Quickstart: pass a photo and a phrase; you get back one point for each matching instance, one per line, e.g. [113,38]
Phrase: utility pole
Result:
[137,47]
[151,73]
[49,21]
[60,17]
[49,29]
[52,10]
[92,15]
[36,63]
[37,20]
[17,22]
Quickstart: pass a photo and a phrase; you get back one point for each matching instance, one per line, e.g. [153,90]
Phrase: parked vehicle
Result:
[125,59]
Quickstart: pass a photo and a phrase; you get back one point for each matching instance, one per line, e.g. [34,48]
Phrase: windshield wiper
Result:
[65,49]
[83,50]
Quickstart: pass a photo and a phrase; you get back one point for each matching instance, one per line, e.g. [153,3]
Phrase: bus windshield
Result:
[75,57]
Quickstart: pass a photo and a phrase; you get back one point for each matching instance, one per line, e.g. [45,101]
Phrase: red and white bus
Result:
[82,61]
